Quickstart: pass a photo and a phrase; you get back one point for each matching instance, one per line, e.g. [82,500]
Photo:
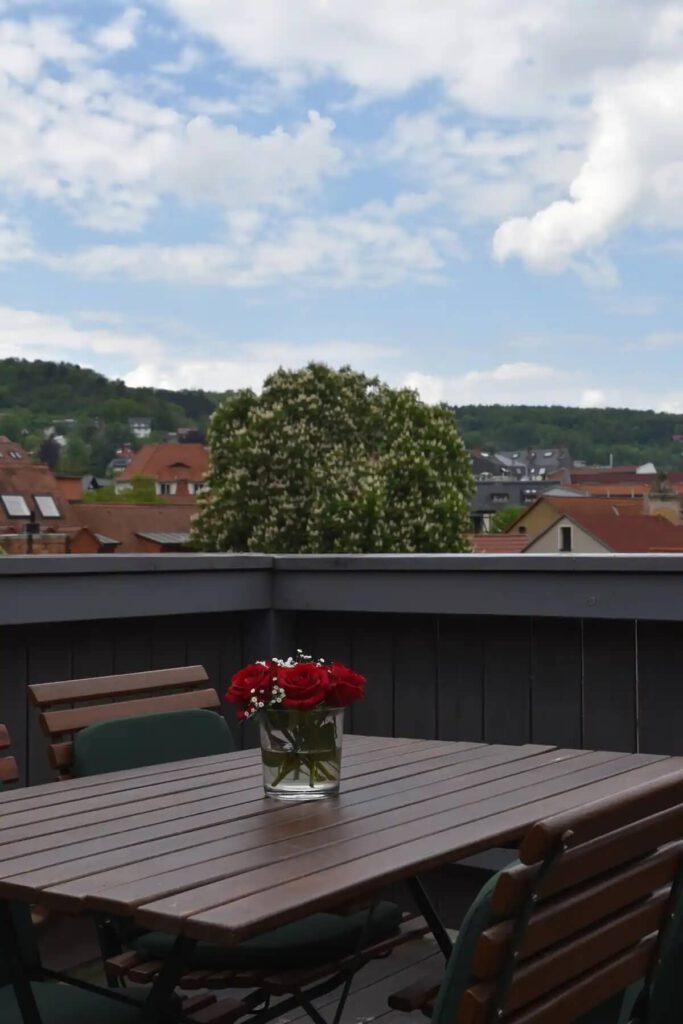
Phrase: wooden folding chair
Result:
[591,913]
[75,704]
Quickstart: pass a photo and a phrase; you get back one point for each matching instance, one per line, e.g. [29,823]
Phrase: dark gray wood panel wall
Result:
[41,653]
[594,683]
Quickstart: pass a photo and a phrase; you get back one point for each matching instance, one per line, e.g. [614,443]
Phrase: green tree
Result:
[141,492]
[327,460]
[504,517]
[75,457]
[49,453]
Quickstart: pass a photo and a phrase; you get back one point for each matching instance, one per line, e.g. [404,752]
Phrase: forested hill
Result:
[630,436]
[37,394]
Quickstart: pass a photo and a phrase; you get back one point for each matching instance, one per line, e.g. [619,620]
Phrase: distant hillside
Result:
[34,395]
[630,436]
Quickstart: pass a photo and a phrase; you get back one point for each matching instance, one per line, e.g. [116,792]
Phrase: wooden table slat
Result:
[387,832]
[317,824]
[195,848]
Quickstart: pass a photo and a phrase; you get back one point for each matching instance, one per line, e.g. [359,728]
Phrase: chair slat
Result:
[4,737]
[569,1003]
[8,769]
[576,866]
[57,723]
[72,691]
[565,962]
[578,909]
[601,817]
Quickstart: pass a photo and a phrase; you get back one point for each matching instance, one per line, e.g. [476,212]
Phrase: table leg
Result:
[428,911]
[176,963]
[10,947]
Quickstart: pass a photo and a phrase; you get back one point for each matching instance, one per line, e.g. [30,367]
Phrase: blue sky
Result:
[482,199]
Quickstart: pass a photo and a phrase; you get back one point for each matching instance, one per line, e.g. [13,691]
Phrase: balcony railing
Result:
[580,651]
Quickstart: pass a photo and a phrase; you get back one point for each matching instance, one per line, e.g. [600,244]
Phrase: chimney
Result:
[663,501]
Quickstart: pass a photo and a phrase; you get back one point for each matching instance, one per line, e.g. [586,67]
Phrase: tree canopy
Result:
[332,460]
[630,436]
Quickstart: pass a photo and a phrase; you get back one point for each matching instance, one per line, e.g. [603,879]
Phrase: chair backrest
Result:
[69,706]
[592,907]
[20,912]
[8,766]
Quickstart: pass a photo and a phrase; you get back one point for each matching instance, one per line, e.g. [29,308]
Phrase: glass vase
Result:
[301,752]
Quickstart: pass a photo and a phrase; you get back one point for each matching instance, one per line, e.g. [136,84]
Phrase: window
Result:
[565,538]
[15,506]
[530,494]
[15,455]
[548,455]
[500,497]
[47,506]
[166,488]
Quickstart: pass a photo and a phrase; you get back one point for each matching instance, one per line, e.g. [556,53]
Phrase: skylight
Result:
[15,505]
[47,506]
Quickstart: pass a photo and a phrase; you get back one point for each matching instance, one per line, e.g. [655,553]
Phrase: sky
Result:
[480,199]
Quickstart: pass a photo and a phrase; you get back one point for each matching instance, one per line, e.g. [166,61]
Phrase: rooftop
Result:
[168,462]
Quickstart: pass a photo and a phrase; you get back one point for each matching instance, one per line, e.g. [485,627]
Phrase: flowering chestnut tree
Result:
[330,460]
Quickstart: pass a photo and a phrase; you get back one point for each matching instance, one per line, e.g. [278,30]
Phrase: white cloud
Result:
[120,34]
[493,56]
[632,174]
[537,384]
[252,362]
[86,139]
[32,335]
[368,247]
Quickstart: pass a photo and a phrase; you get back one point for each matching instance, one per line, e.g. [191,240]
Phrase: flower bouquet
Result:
[299,705]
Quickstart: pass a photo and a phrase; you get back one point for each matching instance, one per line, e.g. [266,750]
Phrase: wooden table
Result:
[195,849]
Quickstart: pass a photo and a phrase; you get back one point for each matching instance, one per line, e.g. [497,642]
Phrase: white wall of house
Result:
[550,542]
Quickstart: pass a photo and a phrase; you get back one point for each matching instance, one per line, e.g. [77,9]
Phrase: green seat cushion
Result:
[307,943]
[150,739]
[63,1004]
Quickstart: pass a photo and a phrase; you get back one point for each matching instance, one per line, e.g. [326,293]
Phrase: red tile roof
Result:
[499,543]
[168,462]
[23,478]
[125,523]
[614,507]
[631,533]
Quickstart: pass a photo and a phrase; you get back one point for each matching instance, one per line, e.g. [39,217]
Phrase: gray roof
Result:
[103,539]
[165,538]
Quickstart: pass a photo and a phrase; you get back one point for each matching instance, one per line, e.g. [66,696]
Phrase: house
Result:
[549,507]
[35,515]
[140,426]
[177,469]
[129,529]
[536,463]
[74,487]
[583,532]
[122,458]
[493,495]
[498,543]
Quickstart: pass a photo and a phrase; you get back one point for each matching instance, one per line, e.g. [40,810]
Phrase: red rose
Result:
[345,685]
[257,677]
[305,685]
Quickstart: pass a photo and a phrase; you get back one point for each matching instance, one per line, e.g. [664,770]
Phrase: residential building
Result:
[122,458]
[493,495]
[498,543]
[177,469]
[139,528]
[548,508]
[140,426]
[586,533]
